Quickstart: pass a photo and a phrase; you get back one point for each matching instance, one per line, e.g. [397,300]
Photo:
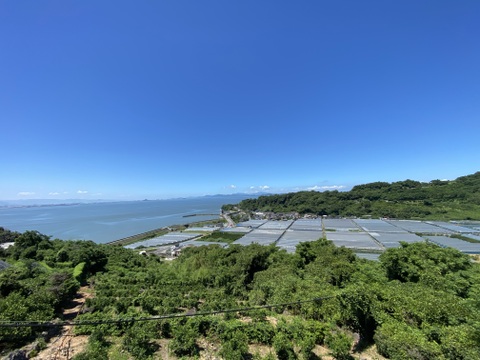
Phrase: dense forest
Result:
[419,301]
[442,200]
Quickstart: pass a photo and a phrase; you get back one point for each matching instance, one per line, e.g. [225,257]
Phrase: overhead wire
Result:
[18,324]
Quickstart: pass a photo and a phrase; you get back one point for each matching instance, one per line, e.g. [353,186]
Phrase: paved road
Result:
[230,222]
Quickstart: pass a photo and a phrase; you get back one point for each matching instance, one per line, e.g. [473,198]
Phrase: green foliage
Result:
[413,262]
[79,272]
[107,329]
[27,293]
[261,332]
[184,341]
[93,255]
[283,347]
[97,348]
[63,286]
[358,307]
[37,285]
[228,207]
[397,340]
[222,237]
[7,235]
[27,244]
[339,344]
[457,199]
[235,347]
[419,301]
[441,269]
[137,340]
[457,342]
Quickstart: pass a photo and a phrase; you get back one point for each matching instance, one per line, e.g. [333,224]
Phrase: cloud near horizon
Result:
[25,193]
[260,188]
[331,187]
[54,193]
[82,192]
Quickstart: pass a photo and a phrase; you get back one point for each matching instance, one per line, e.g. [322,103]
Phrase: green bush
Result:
[283,347]
[184,341]
[97,348]
[236,347]
[261,332]
[137,340]
[397,340]
[339,344]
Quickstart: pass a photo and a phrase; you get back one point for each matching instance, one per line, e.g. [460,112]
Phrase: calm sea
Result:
[104,222]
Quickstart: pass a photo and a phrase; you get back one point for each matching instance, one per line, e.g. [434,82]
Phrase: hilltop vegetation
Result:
[419,302]
[445,200]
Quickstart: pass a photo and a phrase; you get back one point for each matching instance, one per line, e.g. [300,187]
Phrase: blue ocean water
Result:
[104,222]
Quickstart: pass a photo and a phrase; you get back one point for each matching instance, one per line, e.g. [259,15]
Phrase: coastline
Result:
[107,222]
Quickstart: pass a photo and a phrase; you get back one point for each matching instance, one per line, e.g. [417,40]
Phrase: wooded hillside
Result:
[443,200]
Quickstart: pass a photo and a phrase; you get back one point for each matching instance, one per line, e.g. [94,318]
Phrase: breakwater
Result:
[191,215]
[158,232]
[137,237]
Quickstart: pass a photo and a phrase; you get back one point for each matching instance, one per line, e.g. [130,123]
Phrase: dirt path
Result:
[65,345]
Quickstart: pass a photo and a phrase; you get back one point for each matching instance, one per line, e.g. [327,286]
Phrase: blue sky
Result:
[158,99]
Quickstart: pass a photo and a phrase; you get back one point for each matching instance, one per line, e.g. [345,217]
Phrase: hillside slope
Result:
[437,199]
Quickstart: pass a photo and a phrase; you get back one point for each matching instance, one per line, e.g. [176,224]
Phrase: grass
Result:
[78,271]
[218,222]
[222,237]
[464,238]
[45,266]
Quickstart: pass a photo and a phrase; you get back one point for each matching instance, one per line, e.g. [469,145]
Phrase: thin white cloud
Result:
[232,186]
[322,188]
[259,188]
[25,193]
[82,192]
[54,193]
[333,187]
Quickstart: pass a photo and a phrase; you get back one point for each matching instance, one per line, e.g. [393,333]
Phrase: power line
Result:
[18,324]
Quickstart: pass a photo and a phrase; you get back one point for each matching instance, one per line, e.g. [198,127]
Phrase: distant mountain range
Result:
[62,202]
[47,202]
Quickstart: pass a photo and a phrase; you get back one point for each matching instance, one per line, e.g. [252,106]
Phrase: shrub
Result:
[283,347]
[339,344]
[184,341]
[235,348]
[137,340]
[399,341]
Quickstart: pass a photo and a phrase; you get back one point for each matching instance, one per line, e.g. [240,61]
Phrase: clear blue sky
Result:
[157,99]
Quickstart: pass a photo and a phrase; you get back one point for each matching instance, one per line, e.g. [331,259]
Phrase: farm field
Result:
[365,236]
